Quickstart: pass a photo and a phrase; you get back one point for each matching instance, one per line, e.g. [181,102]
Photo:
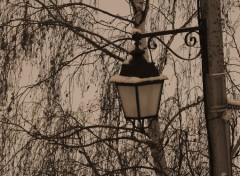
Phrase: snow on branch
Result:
[233,103]
[135,30]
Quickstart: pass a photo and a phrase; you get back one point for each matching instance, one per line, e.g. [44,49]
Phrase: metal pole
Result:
[214,88]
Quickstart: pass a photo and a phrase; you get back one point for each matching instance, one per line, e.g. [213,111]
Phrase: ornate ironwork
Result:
[189,40]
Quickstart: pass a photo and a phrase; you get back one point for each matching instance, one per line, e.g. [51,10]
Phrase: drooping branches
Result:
[59,114]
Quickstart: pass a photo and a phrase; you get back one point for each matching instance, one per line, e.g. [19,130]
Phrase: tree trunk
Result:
[157,151]
[214,88]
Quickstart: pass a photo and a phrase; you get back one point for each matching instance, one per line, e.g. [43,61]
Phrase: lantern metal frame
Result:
[144,71]
[139,119]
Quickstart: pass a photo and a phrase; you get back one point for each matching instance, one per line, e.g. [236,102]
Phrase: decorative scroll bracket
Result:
[190,41]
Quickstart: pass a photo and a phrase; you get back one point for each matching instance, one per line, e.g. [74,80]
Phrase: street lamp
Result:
[140,87]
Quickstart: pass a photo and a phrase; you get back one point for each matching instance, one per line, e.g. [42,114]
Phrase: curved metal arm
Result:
[190,41]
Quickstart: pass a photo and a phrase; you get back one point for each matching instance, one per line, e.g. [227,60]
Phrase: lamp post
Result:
[140,85]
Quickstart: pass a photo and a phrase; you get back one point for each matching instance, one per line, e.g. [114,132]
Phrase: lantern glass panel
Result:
[128,99]
[149,99]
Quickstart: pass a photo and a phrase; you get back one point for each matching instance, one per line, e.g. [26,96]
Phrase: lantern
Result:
[140,87]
